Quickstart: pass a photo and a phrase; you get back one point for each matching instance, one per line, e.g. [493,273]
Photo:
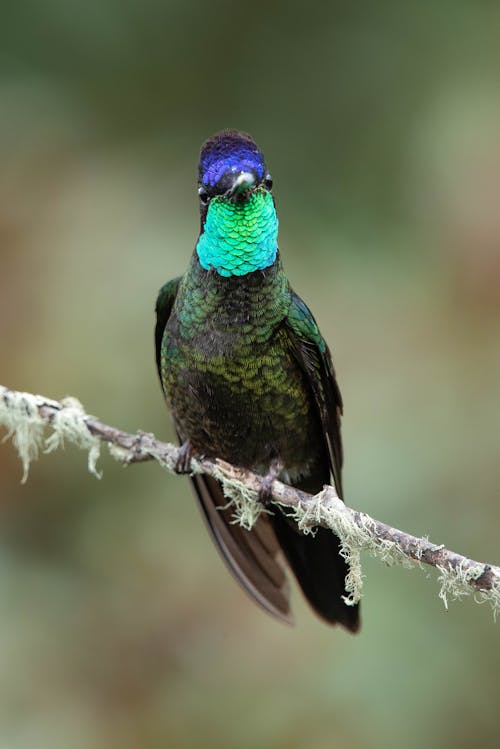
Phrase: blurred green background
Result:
[381,125]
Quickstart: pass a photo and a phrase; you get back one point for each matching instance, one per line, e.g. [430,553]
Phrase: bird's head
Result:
[239,226]
[231,167]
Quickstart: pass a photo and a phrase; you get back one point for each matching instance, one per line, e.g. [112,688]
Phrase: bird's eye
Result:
[268,181]
[204,196]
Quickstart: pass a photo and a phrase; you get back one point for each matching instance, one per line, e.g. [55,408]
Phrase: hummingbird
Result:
[249,379]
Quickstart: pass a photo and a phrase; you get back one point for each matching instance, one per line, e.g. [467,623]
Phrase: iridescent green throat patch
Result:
[239,238]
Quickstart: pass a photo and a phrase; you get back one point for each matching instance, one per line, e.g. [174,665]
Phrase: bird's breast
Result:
[243,401]
[229,373]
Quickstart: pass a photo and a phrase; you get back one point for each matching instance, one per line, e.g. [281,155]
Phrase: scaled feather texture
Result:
[249,379]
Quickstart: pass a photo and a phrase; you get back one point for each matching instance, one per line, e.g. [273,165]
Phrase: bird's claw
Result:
[183,462]
[266,487]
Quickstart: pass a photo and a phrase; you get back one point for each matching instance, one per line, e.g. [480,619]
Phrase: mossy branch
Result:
[26,418]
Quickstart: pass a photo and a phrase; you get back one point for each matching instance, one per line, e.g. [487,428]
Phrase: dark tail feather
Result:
[319,569]
[254,557]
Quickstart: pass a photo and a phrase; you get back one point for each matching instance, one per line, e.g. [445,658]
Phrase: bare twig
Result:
[26,416]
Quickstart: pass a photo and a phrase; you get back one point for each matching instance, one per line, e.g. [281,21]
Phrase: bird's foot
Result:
[266,488]
[183,462]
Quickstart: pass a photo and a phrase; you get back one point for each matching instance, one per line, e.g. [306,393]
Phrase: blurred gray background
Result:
[381,126]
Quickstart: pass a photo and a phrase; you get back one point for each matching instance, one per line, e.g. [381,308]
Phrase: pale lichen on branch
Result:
[26,418]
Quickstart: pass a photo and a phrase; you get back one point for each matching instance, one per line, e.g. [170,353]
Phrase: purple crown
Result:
[229,151]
